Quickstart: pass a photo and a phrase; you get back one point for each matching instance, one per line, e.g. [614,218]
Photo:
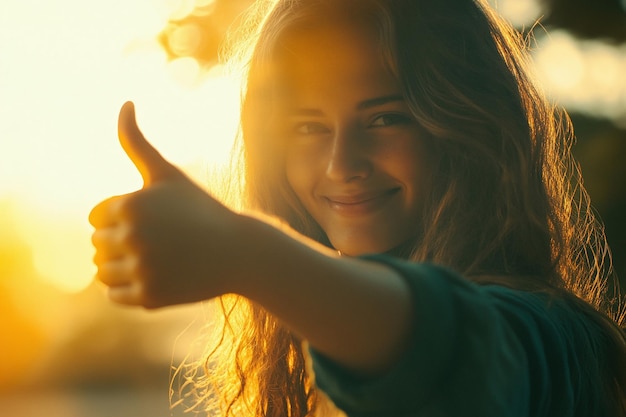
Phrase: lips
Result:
[360,203]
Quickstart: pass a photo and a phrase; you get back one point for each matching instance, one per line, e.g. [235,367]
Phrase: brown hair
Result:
[507,203]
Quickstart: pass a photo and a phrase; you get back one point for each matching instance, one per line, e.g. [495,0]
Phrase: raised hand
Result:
[168,243]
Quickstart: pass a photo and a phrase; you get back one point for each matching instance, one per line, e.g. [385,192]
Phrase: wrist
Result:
[252,253]
[268,251]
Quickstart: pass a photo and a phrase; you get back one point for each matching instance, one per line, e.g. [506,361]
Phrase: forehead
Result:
[331,57]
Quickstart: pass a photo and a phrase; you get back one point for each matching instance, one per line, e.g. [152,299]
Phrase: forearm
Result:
[355,312]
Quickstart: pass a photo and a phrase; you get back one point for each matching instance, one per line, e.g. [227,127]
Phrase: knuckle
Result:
[100,238]
[96,239]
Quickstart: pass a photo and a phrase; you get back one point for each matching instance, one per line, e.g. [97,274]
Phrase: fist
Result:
[165,244]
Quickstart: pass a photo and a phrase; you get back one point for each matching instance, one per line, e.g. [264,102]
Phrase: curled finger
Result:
[116,272]
[106,213]
[130,294]
[110,244]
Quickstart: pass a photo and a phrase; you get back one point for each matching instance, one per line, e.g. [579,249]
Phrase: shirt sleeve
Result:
[476,351]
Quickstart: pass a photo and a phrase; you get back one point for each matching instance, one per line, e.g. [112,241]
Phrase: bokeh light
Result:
[520,13]
[585,76]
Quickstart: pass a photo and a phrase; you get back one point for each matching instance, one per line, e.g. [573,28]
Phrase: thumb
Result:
[149,162]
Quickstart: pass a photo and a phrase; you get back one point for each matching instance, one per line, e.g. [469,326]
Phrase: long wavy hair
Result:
[507,203]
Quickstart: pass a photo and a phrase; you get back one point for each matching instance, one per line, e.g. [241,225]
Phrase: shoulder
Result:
[546,346]
[492,349]
[515,295]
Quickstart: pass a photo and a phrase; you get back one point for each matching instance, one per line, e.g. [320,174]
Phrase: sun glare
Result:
[67,67]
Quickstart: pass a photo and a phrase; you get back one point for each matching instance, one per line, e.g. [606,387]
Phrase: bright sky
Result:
[66,68]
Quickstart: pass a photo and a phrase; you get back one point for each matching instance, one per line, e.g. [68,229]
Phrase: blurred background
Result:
[66,67]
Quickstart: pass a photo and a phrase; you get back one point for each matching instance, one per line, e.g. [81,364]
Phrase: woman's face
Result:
[355,156]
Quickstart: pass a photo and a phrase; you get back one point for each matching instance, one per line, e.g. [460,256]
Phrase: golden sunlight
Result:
[67,67]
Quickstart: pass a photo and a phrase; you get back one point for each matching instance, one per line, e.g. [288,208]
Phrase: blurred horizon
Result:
[68,66]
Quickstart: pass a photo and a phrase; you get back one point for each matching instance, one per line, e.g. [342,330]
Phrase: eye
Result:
[310,128]
[392,119]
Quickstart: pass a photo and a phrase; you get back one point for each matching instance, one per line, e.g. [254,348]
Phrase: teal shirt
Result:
[480,351]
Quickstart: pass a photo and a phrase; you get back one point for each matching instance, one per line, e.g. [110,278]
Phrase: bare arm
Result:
[171,243]
[357,313]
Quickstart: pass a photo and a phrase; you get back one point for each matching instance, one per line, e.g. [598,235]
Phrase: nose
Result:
[349,158]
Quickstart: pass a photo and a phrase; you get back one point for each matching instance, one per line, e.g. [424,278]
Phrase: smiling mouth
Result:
[360,203]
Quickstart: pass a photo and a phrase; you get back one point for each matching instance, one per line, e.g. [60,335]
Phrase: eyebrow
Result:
[379,101]
[366,104]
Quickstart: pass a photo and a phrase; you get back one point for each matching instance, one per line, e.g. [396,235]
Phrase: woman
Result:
[434,245]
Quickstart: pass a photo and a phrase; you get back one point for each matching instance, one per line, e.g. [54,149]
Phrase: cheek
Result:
[412,164]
